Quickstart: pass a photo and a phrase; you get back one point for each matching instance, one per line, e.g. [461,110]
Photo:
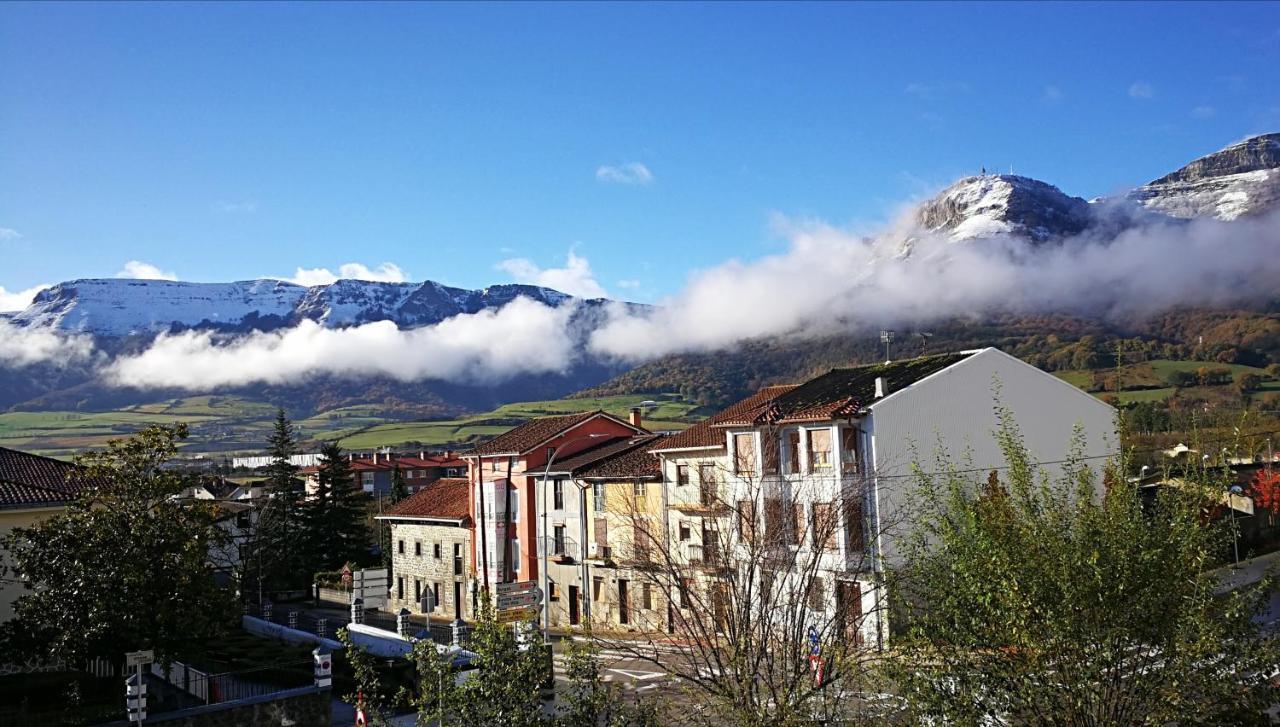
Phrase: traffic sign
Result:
[517,614]
[520,600]
[138,658]
[507,589]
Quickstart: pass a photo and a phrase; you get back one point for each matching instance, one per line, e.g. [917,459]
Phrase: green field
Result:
[229,424]
[1152,374]
[670,413]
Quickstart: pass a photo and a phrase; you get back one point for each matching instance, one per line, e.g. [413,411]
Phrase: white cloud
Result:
[1051,95]
[23,346]
[138,270]
[1203,112]
[8,233]
[384,273]
[832,280]
[574,278]
[523,336]
[18,299]
[1141,90]
[629,173]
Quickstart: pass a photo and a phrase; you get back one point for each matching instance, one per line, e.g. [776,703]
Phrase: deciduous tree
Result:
[1047,602]
[126,566]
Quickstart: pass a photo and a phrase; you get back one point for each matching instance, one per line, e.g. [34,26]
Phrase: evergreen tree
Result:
[399,491]
[334,518]
[276,546]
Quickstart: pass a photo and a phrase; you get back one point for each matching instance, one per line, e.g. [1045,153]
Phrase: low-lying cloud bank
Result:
[521,337]
[829,280]
[21,346]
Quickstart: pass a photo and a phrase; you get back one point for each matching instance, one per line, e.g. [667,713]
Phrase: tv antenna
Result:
[886,337]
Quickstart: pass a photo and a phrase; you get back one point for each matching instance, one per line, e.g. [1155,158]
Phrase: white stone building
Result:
[431,551]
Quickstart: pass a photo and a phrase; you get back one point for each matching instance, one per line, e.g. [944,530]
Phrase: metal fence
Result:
[205,688]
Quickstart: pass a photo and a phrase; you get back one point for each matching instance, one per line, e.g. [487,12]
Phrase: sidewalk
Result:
[1249,572]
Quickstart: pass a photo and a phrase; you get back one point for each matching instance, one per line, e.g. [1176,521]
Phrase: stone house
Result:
[431,550]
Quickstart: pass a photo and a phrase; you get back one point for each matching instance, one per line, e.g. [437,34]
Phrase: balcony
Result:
[600,553]
[709,502]
[706,556]
[563,549]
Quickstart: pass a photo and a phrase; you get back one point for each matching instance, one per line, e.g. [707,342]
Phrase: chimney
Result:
[881,388]
[636,418]
[422,454]
[375,457]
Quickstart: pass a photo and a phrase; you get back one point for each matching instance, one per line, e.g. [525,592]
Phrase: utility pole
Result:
[886,337]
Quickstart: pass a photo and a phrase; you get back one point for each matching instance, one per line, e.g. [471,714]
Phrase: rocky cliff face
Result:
[999,204]
[1242,179]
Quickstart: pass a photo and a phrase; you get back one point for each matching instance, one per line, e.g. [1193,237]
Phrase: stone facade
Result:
[434,556]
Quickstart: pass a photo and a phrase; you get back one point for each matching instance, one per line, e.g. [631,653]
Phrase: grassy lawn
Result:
[1153,373]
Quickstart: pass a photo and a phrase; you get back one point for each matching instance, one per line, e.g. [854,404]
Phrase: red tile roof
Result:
[447,498]
[529,435]
[637,462]
[703,436]
[28,480]
[841,392]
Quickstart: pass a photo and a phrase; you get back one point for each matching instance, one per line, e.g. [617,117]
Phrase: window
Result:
[646,596]
[686,592]
[819,449]
[417,591]
[793,451]
[557,495]
[417,548]
[746,520]
[637,489]
[817,594]
[400,547]
[769,448]
[682,474]
[849,450]
[435,550]
[744,453]
[457,559]
[597,588]
[684,530]
[707,492]
[554,591]
[797,524]
[515,556]
[558,539]
[767,577]
[242,520]
[597,496]
[707,473]
[853,525]
[366,480]
[410,474]
[400,588]
[602,534]
[640,542]
[513,502]
[435,596]
[774,522]
[825,524]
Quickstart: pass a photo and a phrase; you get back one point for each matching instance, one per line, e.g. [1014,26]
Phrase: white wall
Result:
[953,411]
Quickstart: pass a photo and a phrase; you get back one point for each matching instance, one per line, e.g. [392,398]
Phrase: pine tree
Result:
[334,518]
[277,547]
[399,491]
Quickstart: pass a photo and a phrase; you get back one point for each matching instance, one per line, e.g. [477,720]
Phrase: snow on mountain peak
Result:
[995,204]
[121,307]
[1242,179]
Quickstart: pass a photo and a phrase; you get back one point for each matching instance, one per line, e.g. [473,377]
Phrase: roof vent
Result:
[881,387]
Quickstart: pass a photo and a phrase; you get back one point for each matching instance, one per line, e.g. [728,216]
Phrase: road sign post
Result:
[135,689]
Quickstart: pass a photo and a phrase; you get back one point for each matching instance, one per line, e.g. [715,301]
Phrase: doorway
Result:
[624,603]
[573,605]
[457,600]
[849,610]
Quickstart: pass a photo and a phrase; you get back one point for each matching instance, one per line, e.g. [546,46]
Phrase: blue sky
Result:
[233,141]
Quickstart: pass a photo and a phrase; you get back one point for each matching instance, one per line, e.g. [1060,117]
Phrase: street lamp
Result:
[542,500]
[1234,492]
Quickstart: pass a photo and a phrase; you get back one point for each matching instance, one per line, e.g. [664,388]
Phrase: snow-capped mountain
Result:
[120,307]
[1002,204]
[1242,179]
